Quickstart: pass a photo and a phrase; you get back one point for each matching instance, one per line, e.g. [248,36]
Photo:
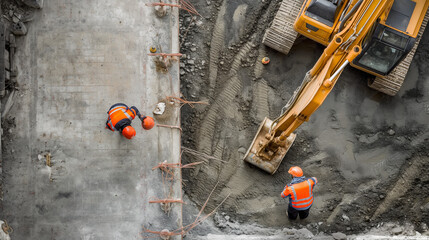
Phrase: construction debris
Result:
[160,108]
[164,60]
[6,230]
[166,234]
[19,29]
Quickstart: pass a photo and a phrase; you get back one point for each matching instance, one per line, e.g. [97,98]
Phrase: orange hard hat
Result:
[296,171]
[129,132]
[148,123]
[265,60]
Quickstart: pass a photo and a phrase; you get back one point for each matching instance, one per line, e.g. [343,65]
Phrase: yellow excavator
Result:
[379,37]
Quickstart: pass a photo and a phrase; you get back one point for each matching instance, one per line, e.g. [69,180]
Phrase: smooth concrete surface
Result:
[78,58]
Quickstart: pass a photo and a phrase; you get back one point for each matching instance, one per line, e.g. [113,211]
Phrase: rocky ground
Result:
[368,150]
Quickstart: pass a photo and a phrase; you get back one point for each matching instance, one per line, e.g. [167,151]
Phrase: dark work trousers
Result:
[292,213]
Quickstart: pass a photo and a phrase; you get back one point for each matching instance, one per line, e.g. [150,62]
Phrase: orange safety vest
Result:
[119,113]
[301,194]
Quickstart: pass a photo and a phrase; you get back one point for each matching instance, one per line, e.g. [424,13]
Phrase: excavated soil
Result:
[368,150]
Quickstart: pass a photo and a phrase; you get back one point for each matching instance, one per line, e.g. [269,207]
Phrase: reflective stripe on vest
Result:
[109,122]
[302,199]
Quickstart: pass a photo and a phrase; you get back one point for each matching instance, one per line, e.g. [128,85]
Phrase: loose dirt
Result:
[368,150]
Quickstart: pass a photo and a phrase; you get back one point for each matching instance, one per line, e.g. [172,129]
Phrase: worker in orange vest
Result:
[120,117]
[300,193]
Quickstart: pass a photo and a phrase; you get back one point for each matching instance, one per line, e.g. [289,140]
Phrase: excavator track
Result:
[281,35]
[391,83]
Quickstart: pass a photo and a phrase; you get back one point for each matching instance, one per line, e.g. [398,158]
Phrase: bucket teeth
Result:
[269,165]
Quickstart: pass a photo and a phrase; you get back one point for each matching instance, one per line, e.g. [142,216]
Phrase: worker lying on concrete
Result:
[300,193]
[120,117]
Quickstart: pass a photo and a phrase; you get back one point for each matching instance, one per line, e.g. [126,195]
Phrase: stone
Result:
[191,62]
[182,72]
[305,233]
[242,150]
[339,236]
[396,230]
[368,139]
[424,226]
[345,217]
[15,19]
[193,49]
[18,29]
[391,132]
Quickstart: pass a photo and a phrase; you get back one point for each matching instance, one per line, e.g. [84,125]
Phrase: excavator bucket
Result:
[270,165]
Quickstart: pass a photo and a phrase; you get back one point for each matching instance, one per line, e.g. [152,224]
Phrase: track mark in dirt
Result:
[260,94]
[347,200]
[216,45]
[350,198]
[260,98]
[226,96]
[259,67]
[402,185]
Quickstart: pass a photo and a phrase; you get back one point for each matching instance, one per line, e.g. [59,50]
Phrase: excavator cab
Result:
[383,51]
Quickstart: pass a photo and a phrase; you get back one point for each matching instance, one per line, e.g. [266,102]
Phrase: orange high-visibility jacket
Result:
[300,194]
[120,114]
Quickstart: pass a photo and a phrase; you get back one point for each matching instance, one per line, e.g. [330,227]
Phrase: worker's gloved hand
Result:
[142,117]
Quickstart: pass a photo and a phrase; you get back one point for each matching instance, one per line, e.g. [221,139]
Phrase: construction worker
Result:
[300,193]
[120,117]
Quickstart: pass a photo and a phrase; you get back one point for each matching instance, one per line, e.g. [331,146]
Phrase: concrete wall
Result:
[78,58]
